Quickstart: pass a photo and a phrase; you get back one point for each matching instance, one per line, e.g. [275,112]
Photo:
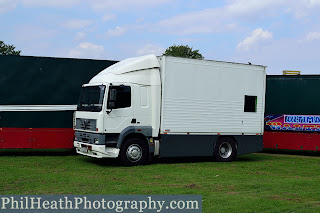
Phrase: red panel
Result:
[36,138]
[15,138]
[61,138]
[291,140]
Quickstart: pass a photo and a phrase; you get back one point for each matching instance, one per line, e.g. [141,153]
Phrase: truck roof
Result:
[226,62]
[146,62]
[133,64]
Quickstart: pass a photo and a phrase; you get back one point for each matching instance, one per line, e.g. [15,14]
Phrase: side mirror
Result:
[112,99]
[113,95]
[111,105]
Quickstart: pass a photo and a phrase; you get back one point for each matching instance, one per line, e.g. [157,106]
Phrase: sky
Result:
[280,34]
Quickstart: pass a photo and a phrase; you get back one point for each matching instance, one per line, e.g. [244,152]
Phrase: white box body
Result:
[201,97]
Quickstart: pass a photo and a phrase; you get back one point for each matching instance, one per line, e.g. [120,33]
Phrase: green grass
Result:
[255,183]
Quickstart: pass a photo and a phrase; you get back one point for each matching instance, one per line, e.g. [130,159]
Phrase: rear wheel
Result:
[134,152]
[225,149]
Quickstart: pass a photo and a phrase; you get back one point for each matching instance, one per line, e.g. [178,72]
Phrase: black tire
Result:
[225,149]
[133,152]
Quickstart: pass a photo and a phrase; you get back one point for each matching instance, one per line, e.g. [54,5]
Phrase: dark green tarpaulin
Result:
[26,80]
[296,94]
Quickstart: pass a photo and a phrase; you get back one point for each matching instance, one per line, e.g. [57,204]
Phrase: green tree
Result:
[6,49]
[183,51]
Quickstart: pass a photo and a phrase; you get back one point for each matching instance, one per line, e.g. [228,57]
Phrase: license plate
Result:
[84,149]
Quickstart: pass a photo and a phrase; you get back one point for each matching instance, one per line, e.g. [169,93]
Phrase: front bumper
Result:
[96,151]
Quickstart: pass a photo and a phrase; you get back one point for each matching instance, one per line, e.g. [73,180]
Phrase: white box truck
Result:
[171,107]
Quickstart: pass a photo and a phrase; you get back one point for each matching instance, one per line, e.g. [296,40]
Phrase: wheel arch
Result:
[136,135]
[135,132]
[225,136]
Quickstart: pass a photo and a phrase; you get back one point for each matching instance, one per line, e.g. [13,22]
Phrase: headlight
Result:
[96,140]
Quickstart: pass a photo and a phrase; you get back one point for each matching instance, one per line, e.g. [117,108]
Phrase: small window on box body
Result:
[250,103]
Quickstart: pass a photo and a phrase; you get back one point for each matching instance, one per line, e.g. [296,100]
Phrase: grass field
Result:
[255,183]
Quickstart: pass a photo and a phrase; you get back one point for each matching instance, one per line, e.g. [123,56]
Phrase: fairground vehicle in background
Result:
[38,99]
[171,107]
[292,118]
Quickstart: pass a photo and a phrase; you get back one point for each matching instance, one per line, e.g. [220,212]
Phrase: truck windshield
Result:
[91,98]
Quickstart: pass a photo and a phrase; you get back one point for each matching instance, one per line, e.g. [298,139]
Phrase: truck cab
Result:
[118,105]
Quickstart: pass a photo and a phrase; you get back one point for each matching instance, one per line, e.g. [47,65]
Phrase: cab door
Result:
[120,117]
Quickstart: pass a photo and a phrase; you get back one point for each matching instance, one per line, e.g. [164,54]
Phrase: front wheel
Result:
[133,152]
[225,149]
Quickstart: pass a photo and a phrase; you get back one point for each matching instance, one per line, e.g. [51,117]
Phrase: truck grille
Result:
[86,124]
[84,137]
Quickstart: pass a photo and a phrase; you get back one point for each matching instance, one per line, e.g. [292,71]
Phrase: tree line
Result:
[176,50]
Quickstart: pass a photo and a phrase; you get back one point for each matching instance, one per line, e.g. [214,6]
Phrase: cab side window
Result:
[123,97]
